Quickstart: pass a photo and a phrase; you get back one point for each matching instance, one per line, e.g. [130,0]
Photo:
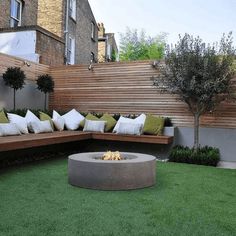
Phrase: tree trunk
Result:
[14,99]
[196,131]
[45,102]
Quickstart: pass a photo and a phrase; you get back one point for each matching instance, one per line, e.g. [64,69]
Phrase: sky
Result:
[208,19]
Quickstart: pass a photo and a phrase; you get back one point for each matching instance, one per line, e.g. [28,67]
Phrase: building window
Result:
[72,9]
[92,57]
[16,10]
[92,30]
[71,51]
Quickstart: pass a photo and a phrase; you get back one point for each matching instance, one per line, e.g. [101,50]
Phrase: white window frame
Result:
[109,51]
[13,18]
[92,30]
[71,51]
[72,9]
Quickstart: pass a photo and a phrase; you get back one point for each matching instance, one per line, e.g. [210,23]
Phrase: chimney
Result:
[101,30]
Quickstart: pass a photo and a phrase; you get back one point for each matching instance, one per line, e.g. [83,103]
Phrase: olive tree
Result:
[46,85]
[14,77]
[202,75]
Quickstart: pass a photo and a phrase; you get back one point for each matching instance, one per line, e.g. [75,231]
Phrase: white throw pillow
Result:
[19,121]
[58,120]
[94,126]
[73,119]
[140,119]
[123,120]
[9,129]
[31,117]
[130,128]
[59,123]
[41,127]
[55,114]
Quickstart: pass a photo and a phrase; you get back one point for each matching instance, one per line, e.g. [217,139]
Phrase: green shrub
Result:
[208,156]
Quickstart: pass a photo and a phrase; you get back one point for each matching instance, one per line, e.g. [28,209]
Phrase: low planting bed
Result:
[208,156]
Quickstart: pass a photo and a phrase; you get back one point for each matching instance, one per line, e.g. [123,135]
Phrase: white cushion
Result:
[19,121]
[59,123]
[140,119]
[94,126]
[9,129]
[41,127]
[129,128]
[55,114]
[73,119]
[31,117]
[123,120]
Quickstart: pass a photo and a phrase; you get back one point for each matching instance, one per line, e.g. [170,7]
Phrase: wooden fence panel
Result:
[31,72]
[126,88]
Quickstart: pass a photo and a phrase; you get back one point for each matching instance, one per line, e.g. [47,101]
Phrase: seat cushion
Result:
[3,117]
[153,125]
[110,122]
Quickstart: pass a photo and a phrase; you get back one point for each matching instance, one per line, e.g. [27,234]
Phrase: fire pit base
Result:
[88,171]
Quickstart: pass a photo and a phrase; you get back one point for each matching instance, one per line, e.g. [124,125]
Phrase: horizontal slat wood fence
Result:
[31,72]
[126,88]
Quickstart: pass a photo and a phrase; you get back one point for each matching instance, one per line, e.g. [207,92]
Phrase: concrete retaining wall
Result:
[28,97]
[224,139]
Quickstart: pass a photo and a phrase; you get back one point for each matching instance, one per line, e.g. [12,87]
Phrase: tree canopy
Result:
[136,45]
[46,85]
[202,75]
[14,78]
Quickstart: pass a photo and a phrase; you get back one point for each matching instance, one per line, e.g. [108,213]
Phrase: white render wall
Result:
[21,44]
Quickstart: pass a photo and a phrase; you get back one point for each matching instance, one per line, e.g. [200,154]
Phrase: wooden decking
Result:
[36,140]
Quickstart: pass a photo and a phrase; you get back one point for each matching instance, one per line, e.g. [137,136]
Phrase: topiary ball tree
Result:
[14,78]
[46,85]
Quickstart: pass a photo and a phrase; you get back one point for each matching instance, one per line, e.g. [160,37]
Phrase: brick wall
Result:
[4,13]
[50,47]
[29,13]
[101,51]
[84,44]
[51,16]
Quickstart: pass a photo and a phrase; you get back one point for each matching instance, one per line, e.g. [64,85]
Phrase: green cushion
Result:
[3,118]
[153,125]
[110,122]
[43,116]
[88,117]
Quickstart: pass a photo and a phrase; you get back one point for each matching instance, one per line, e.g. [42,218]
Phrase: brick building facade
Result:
[66,30]
[107,47]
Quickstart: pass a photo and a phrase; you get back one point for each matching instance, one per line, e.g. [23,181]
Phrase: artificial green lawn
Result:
[187,200]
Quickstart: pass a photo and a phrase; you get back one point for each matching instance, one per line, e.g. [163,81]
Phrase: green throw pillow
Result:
[110,122]
[153,125]
[3,118]
[88,117]
[43,116]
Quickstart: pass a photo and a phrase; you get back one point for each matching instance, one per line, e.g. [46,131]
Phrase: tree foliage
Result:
[46,85]
[200,74]
[14,78]
[138,46]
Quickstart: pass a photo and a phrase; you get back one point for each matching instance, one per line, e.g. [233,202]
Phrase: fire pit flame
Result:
[112,156]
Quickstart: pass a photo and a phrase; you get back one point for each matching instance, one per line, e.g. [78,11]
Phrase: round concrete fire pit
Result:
[87,170]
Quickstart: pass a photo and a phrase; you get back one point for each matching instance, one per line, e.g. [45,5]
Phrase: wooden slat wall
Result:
[125,88]
[31,72]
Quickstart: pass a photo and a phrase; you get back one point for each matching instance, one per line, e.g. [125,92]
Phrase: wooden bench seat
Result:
[133,138]
[11,143]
